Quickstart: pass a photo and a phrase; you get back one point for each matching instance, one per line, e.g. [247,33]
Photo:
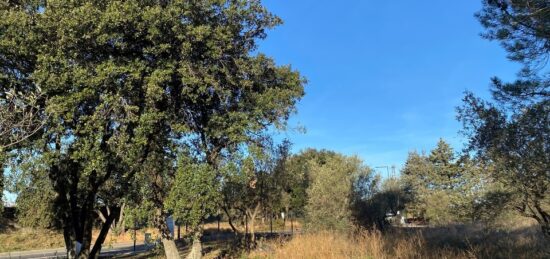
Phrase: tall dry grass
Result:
[29,239]
[442,242]
[366,244]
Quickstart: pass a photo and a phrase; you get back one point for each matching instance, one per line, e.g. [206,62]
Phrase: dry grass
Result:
[444,242]
[34,239]
[30,239]
[363,245]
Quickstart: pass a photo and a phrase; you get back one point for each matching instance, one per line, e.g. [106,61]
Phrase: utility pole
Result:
[387,169]
[291,223]
[135,236]
[388,173]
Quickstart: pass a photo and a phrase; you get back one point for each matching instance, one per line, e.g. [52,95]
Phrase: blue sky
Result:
[385,77]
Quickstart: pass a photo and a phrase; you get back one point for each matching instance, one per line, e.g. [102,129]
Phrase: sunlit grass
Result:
[456,241]
[30,239]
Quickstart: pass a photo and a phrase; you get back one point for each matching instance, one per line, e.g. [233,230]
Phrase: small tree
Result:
[297,178]
[194,196]
[254,184]
[442,188]
[331,191]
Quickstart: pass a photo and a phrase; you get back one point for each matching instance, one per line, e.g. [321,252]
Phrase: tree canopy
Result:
[513,131]
[122,83]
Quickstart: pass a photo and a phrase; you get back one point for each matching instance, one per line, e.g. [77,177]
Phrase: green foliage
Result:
[522,27]
[254,183]
[442,188]
[331,191]
[512,132]
[139,216]
[124,82]
[195,193]
[35,206]
[2,159]
[298,179]
[517,146]
[388,197]
[35,196]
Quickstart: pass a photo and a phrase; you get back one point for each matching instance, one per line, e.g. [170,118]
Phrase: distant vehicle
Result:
[395,219]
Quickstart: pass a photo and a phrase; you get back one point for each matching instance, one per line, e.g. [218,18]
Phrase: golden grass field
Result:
[457,241]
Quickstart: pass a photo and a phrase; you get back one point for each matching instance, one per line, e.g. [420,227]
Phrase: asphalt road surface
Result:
[118,249]
[126,248]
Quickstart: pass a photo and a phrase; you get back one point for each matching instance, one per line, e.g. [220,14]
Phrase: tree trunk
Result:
[252,214]
[77,221]
[291,226]
[286,216]
[196,249]
[70,243]
[83,221]
[229,219]
[546,230]
[246,225]
[544,220]
[534,210]
[120,222]
[252,231]
[170,248]
[103,234]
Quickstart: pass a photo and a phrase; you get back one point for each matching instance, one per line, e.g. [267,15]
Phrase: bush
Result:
[332,190]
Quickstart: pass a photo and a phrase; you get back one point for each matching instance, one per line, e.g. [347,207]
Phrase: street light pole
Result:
[387,169]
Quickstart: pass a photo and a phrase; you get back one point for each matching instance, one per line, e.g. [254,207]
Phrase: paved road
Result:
[126,248]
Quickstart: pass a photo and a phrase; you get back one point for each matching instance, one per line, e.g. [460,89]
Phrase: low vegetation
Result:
[455,241]
[30,239]
[23,239]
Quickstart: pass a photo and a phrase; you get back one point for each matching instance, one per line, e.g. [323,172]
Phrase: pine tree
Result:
[513,130]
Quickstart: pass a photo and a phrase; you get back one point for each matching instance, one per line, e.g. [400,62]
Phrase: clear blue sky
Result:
[384,77]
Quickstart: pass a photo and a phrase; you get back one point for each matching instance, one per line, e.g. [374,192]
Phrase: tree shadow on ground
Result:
[216,244]
[7,220]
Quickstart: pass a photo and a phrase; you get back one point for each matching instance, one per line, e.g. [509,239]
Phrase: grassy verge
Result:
[457,241]
[30,239]
[23,239]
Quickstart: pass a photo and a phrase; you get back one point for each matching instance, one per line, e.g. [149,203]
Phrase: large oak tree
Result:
[124,82]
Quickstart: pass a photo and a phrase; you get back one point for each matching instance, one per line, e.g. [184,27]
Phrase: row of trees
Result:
[131,97]
[322,187]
